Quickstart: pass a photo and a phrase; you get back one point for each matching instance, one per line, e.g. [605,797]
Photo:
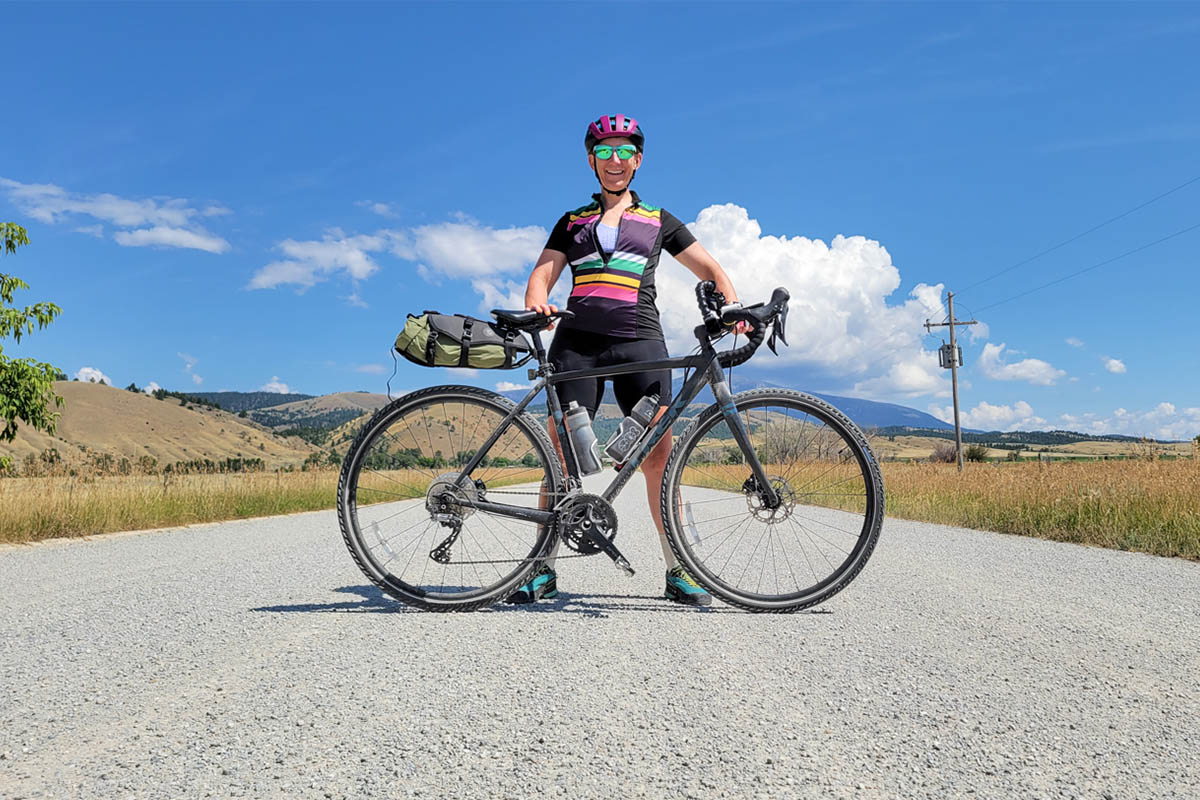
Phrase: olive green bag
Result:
[444,340]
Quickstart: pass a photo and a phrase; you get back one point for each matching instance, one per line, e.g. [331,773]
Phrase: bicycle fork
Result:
[737,427]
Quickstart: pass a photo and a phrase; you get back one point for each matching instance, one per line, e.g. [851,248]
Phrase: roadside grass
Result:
[1148,506]
[43,508]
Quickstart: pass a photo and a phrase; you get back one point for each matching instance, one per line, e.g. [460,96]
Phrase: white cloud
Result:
[509,386]
[196,379]
[988,417]
[151,388]
[979,332]
[93,375]
[1071,340]
[216,211]
[310,262]
[1031,370]
[1164,421]
[840,322]
[171,237]
[159,221]
[371,369]
[382,209]
[1114,365]
[469,250]
[91,230]
[467,372]
[275,385]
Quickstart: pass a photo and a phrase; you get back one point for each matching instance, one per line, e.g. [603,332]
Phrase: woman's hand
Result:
[546,309]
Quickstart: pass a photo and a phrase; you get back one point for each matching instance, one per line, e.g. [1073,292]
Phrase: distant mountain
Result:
[865,413]
[248,401]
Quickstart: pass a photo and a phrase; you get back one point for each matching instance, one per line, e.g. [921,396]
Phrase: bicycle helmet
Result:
[610,126]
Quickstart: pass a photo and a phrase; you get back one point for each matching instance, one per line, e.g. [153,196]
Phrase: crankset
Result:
[587,524]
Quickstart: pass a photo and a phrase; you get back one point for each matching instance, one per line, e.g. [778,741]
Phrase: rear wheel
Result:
[406,517]
[784,557]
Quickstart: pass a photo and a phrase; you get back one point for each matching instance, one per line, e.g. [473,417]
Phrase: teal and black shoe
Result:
[544,583]
[682,588]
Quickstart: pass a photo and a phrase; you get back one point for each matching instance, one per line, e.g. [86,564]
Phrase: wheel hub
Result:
[580,515]
[756,500]
[449,503]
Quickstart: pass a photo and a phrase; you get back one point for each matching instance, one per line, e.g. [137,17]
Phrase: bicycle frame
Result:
[707,370]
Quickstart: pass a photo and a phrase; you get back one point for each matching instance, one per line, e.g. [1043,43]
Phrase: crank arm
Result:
[610,550]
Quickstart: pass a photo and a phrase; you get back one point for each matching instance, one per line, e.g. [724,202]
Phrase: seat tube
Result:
[737,427]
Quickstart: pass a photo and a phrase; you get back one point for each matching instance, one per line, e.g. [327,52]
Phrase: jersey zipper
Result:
[596,237]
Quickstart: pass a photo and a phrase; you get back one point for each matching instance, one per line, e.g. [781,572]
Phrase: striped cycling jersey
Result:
[614,293]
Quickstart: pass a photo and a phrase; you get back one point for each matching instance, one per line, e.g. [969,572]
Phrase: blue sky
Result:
[238,196]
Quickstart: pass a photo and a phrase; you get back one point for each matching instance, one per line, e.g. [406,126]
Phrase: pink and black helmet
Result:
[610,126]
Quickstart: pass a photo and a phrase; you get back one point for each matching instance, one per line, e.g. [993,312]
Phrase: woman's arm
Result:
[550,265]
[706,268]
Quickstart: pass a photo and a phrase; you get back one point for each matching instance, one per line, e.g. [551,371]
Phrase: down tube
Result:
[687,393]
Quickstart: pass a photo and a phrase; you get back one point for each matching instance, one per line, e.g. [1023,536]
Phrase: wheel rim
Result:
[400,500]
[799,551]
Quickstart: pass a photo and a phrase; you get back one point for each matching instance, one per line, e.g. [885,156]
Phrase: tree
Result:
[26,386]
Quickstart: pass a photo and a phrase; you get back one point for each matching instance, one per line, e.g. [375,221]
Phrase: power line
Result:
[1066,242]
[1093,266]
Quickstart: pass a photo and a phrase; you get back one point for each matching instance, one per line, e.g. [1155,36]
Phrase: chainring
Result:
[582,513]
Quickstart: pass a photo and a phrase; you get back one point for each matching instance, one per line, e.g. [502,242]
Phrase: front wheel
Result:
[408,516]
[766,556]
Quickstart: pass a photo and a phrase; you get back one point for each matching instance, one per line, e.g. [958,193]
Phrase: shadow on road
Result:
[589,605]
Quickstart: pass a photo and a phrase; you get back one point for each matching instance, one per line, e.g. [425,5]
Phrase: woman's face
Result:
[614,173]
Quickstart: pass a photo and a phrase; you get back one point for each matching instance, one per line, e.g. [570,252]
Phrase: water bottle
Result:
[630,431]
[583,439]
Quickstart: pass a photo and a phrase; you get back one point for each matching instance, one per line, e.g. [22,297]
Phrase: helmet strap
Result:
[606,190]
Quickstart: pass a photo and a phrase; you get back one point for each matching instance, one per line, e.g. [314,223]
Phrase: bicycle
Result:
[772,500]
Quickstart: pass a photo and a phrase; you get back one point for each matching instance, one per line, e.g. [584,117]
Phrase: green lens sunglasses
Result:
[604,152]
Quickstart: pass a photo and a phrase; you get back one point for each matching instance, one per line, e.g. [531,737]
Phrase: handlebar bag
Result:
[456,340]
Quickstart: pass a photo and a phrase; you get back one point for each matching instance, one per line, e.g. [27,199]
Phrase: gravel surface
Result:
[252,659]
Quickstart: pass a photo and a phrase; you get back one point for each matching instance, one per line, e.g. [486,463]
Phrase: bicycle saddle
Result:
[524,320]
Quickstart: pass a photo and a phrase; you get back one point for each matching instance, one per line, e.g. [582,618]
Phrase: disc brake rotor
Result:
[757,504]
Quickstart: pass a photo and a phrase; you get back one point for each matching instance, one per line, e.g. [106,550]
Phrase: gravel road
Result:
[252,659]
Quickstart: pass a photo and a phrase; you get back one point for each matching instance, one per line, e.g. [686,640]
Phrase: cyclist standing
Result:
[612,245]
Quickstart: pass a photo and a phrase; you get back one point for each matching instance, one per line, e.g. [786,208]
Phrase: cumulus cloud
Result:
[1114,365]
[985,416]
[1164,421]
[309,262]
[1071,340]
[979,332]
[92,375]
[196,379]
[157,222]
[151,387]
[509,386]
[1031,370]
[841,327]
[467,249]
[275,385]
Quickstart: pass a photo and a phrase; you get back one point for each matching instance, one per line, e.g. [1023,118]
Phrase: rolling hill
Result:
[99,419]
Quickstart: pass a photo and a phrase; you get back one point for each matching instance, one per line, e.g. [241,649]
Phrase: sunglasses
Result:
[624,152]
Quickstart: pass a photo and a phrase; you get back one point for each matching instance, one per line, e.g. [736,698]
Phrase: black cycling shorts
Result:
[574,349]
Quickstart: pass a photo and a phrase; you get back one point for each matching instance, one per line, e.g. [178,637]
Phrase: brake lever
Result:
[778,329]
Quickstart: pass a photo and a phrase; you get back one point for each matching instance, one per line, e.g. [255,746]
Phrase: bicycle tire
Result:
[382,472]
[820,461]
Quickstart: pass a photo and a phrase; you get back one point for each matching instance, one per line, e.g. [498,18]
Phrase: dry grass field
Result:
[1143,505]
[1151,506]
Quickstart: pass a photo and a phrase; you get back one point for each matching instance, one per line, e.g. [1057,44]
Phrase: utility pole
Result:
[950,357]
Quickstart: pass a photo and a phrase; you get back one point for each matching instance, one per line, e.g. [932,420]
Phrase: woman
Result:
[612,245]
